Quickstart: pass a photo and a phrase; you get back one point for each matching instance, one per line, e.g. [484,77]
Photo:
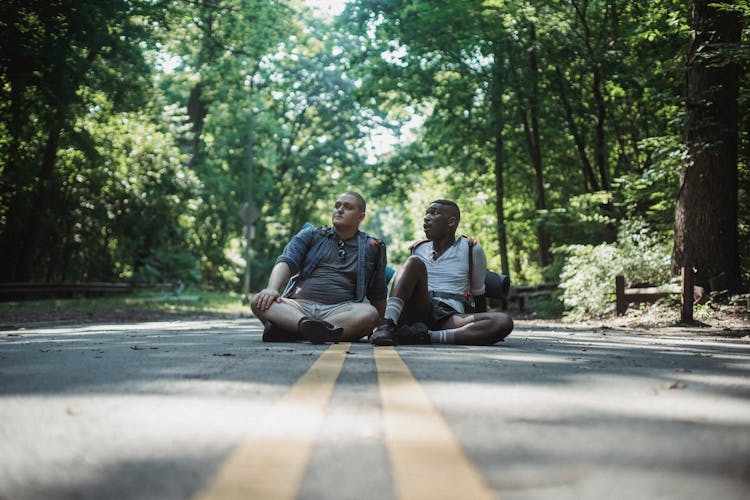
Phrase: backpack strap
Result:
[319,233]
[472,242]
[414,246]
[380,246]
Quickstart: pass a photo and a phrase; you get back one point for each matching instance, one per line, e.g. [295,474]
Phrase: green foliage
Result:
[583,103]
[129,210]
[588,276]
[646,253]
[587,218]
[59,59]
[588,279]
[650,193]
[131,133]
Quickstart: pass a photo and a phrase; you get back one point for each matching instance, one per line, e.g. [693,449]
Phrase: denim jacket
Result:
[305,250]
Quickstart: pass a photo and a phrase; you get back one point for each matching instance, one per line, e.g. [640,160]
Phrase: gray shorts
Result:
[315,310]
[440,311]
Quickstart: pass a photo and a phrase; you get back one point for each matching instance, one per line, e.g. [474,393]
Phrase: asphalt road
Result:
[204,409]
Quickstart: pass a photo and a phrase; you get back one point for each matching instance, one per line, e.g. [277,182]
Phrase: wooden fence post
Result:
[687,295]
[620,305]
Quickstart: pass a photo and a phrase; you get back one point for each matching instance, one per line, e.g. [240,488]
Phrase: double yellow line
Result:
[426,458]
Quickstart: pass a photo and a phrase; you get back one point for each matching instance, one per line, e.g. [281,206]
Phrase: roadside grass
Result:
[189,301]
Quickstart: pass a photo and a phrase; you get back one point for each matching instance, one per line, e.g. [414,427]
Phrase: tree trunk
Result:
[39,209]
[596,89]
[543,236]
[530,121]
[601,114]
[591,183]
[197,105]
[502,235]
[197,113]
[497,133]
[707,207]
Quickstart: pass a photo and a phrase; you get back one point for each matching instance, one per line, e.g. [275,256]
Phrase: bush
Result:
[164,266]
[587,278]
[646,255]
[588,275]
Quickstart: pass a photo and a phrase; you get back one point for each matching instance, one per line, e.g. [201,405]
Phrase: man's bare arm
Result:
[280,274]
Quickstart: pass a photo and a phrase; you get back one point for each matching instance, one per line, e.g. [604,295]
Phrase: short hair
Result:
[360,200]
[451,204]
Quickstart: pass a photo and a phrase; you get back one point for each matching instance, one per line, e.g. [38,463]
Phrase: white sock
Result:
[393,309]
[443,336]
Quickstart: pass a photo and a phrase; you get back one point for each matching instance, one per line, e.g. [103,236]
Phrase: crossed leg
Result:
[484,328]
[410,285]
[356,319]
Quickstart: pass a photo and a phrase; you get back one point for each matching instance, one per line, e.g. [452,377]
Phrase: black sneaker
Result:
[418,333]
[318,331]
[272,333]
[384,334]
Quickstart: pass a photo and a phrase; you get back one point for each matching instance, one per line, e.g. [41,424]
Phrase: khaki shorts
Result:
[315,310]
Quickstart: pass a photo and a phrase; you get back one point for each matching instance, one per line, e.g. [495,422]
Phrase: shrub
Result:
[587,278]
[588,275]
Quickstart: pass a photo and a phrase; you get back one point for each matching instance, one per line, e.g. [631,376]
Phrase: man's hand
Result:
[265,298]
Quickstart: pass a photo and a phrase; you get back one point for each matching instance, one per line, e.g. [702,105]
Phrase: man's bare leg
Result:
[484,328]
[282,314]
[408,296]
[357,320]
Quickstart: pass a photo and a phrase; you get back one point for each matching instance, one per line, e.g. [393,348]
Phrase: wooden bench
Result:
[689,295]
[520,293]
[625,296]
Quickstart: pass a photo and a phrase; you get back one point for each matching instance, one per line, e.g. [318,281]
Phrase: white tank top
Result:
[449,273]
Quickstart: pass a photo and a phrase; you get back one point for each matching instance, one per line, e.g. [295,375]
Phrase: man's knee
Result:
[414,264]
[503,325]
[411,274]
[358,313]
[367,315]
[256,311]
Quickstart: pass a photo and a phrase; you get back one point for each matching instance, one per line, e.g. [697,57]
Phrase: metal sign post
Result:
[249,212]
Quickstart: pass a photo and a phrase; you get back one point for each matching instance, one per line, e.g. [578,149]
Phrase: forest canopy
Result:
[154,140]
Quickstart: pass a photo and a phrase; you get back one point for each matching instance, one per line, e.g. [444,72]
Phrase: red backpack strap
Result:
[415,245]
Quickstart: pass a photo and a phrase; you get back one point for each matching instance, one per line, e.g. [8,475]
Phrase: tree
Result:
[451,56]
[219,46]
[56,55]
[311,130]
[707,210]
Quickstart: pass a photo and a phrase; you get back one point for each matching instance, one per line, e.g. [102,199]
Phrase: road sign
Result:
[249,213]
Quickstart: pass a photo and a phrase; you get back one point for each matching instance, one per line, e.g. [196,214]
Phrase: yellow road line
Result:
[426,459]
[270,464]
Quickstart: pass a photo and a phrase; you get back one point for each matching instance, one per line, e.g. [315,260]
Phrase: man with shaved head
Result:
[328,273]
[432,293]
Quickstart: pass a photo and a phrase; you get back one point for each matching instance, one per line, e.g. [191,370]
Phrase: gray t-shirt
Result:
[334,280]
